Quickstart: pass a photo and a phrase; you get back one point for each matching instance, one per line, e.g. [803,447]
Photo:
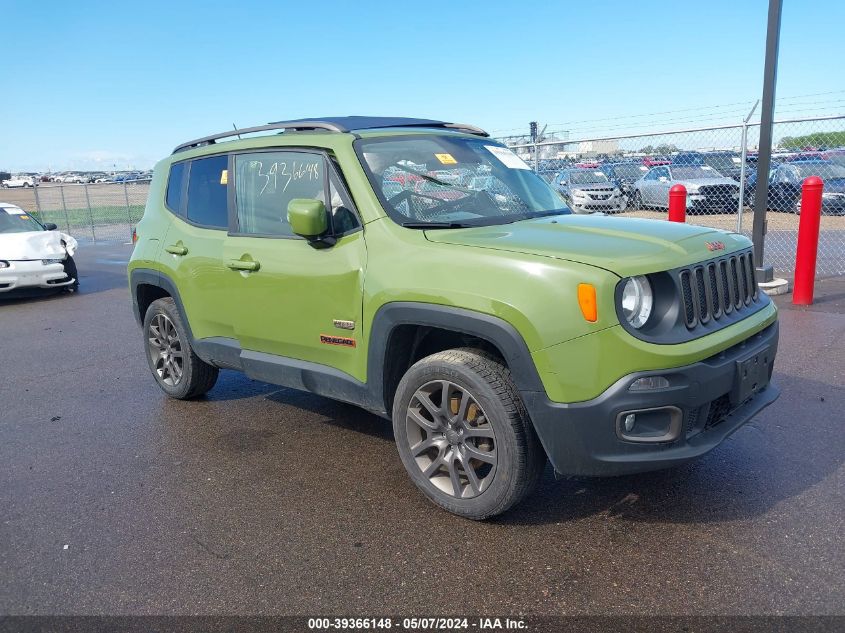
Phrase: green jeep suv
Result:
[422,271]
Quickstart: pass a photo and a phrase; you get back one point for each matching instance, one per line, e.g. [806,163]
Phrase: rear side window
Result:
[267,181]
[173,199]
[207,199]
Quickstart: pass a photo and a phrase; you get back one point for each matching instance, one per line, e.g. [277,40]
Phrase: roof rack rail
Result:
[335,124]
[280,125]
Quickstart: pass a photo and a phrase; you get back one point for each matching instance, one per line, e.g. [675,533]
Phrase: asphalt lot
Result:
[261,500]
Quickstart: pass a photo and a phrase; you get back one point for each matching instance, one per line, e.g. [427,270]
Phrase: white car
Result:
[18,181]
[34,255]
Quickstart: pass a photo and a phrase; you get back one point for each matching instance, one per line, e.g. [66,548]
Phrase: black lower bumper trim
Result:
[581,438]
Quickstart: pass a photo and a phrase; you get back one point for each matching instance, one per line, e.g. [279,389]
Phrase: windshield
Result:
[825,171]
[454,181]
[630,172]
[586,177]
[721,161]
[694,172]
[15,220]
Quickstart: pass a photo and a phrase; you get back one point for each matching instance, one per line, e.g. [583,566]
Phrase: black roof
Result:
[335,124]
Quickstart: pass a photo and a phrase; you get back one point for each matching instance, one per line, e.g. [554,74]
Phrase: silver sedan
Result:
[707,189]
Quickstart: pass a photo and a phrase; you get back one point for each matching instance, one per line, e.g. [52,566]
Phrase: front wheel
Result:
[637,200]
[71,273]
[463,434]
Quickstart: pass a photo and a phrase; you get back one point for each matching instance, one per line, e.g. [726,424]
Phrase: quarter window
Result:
[207,200]
[266,182]
[173,199]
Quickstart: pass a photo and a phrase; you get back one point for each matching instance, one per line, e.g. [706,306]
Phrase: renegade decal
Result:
[328,339]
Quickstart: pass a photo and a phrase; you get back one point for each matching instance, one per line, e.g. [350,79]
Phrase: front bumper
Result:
[584,438]
[33,274]
[611,205]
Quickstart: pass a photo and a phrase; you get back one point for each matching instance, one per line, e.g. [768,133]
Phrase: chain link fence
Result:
[101,212]
[717,165]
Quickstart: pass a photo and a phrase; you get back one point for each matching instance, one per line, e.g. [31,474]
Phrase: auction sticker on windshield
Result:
[446,159]
[507,157]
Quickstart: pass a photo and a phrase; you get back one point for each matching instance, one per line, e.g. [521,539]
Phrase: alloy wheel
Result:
[451,439]
[165,349]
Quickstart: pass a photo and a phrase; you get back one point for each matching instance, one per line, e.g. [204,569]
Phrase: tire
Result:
[637,200]
[70,271]
[167,343]
[440,447]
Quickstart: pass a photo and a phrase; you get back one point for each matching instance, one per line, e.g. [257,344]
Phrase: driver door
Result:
[293,294]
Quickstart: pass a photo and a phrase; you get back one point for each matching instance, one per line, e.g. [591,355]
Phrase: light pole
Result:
[764,156]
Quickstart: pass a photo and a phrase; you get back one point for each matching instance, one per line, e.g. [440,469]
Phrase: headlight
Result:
[4,264]
[578,193]
[637,300]
[616,192]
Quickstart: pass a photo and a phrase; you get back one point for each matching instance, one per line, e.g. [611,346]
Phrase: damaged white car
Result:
[34,255]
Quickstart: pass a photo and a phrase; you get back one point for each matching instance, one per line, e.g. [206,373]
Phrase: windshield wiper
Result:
[435,225]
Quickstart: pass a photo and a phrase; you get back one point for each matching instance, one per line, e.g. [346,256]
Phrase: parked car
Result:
[786,179]
[726,163]
[34,255]
[655,161]
[589,190]
[624,175]
[18,180]
[493,332]
[707,189]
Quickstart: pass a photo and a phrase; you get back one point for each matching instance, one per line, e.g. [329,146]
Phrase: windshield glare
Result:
[13,220]
[443,179]
[630,171]
[692,173]
[825,171]
[586,177]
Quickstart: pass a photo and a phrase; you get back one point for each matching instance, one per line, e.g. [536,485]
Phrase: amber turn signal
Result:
[587,301]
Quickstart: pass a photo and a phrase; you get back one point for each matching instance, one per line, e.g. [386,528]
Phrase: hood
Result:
[594,186]
[701,182]
[834,185]
[36,245]
[625,246]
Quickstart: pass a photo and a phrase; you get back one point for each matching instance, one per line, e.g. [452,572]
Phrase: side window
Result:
[173,198]
[266,182]
[207,200]
[651,175]
[663,172]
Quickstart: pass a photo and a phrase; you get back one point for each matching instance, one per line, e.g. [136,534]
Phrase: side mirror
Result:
[50,226]
[307,217]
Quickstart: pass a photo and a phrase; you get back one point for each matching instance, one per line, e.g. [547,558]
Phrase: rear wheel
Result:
[463,434]
[177,369]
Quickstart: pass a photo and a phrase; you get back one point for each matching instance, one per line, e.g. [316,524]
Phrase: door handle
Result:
[176,249]
[240,264]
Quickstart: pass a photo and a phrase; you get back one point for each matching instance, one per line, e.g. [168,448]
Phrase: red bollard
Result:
[678,203]
[808,241]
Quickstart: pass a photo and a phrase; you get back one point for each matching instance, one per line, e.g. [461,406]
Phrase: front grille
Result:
[717,288]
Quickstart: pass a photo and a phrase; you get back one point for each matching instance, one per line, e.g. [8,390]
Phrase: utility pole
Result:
[764,156]
[532,129]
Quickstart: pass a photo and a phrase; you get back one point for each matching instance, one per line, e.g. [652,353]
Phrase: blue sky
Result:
[90,85]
